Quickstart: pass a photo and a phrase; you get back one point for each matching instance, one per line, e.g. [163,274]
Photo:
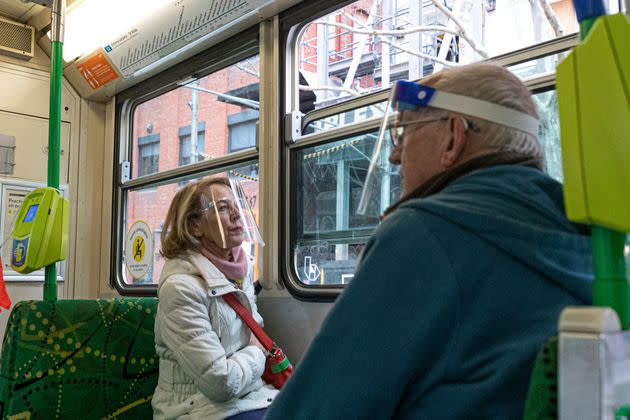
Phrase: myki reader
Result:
[40,233]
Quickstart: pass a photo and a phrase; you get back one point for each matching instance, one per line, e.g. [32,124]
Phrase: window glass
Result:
[150,205]
[343,118]
[542,66]
[549,136]
[368,44]
[329,233]
[170,130]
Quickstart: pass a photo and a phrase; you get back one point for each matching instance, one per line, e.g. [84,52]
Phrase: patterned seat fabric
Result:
[79,359]
[542,396]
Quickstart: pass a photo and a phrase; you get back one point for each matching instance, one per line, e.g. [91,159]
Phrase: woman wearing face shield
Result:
[210,363]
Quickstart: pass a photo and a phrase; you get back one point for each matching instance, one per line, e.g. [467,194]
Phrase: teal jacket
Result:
[453,296]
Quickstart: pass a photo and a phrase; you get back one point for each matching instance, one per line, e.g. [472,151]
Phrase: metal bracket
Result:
[125,171]
[46,3]
[292,126]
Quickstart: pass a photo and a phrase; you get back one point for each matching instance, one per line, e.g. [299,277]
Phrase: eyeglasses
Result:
[224,205]
[398,132]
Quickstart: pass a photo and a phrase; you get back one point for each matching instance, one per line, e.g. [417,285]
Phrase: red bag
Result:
[5,300]
[277,366]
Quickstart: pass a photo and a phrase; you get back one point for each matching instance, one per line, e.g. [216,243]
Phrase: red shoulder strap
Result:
[248,319]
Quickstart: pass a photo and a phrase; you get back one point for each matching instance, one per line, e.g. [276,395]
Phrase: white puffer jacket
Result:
[208,369]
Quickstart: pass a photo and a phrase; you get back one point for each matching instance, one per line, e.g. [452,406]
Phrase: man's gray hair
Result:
[494,84]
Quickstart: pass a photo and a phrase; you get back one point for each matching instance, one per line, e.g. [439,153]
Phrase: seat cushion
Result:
[80,359]
[542,396]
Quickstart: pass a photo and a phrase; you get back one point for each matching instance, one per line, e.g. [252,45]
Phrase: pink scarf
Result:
[234,270]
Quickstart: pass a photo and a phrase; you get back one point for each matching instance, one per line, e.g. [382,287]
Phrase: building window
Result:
[189,152]
[148,154]
[242,130]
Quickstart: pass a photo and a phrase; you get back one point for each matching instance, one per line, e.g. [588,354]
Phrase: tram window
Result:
[329,235]
[549,135]
[196,129]
[216,100]
[348,117]
[365,46]
[541,66]
[151,204]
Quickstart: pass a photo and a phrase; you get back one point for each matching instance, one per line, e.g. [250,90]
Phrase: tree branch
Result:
[420,54]
[393,32]
[552,18]
[382,37]
[462,32]
[330,88]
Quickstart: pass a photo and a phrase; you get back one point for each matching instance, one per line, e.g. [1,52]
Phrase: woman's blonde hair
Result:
[187,204]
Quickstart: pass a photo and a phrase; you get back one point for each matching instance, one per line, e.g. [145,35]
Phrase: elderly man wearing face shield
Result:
[468,272]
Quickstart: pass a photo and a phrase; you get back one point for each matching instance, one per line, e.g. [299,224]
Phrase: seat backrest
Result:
[542,395]
[79,358]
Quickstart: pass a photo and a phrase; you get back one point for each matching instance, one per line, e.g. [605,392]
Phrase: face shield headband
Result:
[411,96]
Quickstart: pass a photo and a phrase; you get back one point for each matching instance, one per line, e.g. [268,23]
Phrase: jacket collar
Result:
[207,271]
[441,180]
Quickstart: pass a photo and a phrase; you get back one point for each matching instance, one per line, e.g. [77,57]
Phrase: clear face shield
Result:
[406,99]
[229,216]
[377,194]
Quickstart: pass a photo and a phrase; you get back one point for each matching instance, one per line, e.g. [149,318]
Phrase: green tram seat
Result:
[79,359]
[542,395]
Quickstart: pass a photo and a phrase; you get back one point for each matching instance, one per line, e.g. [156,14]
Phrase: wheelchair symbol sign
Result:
[311,270]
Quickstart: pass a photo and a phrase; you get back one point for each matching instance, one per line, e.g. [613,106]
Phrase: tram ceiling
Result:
[166,34]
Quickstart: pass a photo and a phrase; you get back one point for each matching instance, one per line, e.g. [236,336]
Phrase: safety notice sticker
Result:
[139,249]
[97,70]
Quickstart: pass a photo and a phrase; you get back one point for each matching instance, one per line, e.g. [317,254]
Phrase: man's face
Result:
[420,147]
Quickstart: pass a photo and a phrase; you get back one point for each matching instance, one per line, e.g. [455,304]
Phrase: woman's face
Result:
[221,222]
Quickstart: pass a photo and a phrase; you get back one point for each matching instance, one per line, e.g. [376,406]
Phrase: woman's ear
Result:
[194,226]
[456,140]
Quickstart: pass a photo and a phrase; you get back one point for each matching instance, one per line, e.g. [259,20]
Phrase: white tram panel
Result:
[174,26]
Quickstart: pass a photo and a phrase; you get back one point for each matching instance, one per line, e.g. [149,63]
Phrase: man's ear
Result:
[455,141]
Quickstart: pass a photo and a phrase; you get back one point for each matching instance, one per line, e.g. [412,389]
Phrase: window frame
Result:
[295,123]
[214,59]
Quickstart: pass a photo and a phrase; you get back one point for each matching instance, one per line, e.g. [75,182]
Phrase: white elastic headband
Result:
[483,109]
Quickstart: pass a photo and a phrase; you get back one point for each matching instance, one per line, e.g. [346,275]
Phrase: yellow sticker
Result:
[139,249]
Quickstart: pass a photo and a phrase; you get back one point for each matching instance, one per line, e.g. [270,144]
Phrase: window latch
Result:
[292,126]
[125,171]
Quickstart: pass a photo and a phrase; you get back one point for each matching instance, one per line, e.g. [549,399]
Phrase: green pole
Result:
[585,26]
[610,287]
[54,125]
